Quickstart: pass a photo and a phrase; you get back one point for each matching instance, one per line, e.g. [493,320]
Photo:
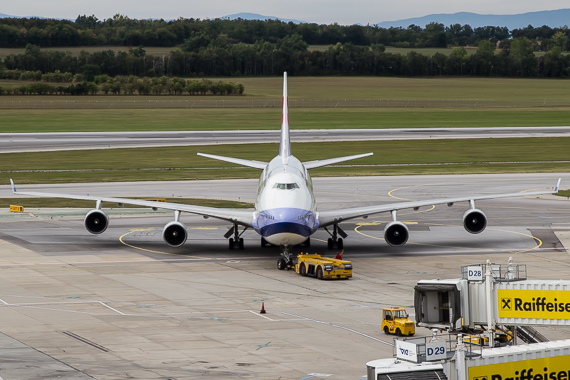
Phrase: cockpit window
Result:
[286,186]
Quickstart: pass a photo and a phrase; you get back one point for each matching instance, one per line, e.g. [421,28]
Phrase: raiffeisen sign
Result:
[553,368]
[533,303]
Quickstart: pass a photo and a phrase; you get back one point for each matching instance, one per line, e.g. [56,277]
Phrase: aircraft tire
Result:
[231,243]
[340,243]
[281,264]
[241,246]
[330,243]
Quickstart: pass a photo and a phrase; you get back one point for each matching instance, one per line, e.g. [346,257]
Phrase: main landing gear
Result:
[334,242]
[235,242]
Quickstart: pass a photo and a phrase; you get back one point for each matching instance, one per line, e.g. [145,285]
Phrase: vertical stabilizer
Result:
[285,146]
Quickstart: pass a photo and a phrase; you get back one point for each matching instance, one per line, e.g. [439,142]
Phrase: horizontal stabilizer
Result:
[321,163]
[249,163]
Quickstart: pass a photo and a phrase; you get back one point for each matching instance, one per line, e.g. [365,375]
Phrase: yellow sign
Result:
[539,304]
[154,199]
[16,208]
[554,368]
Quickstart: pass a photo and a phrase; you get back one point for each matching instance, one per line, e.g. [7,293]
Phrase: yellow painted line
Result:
[400,188]
[368,224]
[324,241]
[150,250]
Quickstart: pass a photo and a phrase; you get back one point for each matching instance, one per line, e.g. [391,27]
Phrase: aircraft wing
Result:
[241,217]
[239,161]
[327,218]
[320,163]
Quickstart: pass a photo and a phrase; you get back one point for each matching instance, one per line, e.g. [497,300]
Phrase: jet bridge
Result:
[490,296]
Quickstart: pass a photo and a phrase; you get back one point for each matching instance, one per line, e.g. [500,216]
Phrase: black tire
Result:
[281,264]
[262,243]
[241,246]
[339,243]
[386,330]
[302,269]
[398,332]
[411,334]
[320,273]
[330,243]
[231,243]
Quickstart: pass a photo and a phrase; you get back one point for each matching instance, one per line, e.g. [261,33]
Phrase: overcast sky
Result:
[319,11]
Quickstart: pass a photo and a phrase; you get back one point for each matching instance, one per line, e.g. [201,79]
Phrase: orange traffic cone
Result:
[262,311]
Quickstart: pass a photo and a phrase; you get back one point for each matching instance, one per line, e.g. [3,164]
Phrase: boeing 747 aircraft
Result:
[285,209]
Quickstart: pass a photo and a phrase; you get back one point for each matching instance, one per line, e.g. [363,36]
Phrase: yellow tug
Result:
[323,268]
[395,321]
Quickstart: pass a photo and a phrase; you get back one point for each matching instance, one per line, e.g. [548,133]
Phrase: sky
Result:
[344,12]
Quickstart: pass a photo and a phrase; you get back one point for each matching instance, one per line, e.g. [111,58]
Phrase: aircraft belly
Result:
[285,239]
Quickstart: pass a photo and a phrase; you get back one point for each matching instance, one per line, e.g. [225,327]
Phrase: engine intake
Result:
[396,233]
[175,234]
[474,221]
[96,221]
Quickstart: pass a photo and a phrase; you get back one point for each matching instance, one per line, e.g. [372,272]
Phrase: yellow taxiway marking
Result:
[150,250]
[538,241]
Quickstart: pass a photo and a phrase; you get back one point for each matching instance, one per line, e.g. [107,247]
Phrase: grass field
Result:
[390,158]
[251,119]
[428,88]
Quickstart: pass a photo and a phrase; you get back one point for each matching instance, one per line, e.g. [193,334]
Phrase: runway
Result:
[38,142]
[125,305]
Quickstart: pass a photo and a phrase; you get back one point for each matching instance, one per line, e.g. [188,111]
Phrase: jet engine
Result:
[96,221]
[474,221]
[396,233]
[175,234]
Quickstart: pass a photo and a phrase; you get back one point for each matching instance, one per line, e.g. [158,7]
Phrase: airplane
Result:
[286,213]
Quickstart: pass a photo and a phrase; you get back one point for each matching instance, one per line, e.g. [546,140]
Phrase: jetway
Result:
[489,296]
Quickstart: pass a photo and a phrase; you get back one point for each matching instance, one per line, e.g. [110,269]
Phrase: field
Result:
[390,158]
[250,119]
[434,88]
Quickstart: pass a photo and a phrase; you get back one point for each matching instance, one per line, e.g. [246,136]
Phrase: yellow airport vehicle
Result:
[14,208]
[501,338]
[323,268]
[395,321]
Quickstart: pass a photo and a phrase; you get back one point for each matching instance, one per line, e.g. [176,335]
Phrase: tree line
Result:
[126,85]
[201,56]
[122,30]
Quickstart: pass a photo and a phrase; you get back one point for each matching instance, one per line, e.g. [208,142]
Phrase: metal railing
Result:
[181,102]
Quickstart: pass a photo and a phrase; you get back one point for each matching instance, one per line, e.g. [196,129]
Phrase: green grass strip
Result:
[519,155]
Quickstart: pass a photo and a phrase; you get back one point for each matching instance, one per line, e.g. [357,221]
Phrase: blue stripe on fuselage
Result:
[285,220]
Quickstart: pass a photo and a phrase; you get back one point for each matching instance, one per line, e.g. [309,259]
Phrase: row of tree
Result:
[130,85]
[203,57]
[122,30]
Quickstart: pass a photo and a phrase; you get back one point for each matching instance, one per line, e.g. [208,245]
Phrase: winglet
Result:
[13,186]
[557,185]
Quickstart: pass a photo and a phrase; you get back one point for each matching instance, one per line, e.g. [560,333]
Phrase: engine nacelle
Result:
[474,221]
[396,233]
[96,221]
[175,234]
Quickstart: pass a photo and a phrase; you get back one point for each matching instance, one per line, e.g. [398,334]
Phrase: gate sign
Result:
[474,273]
[436,351]
[406,351]
[537,304]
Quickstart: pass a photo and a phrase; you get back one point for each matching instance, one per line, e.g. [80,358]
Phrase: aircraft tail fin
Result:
[285,144]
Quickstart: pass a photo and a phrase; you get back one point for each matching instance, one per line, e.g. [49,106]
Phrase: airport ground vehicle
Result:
[323,267]
[395,321]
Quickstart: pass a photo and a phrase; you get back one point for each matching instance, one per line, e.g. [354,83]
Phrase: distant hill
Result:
[2,15]
[255,16]
[553,19]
